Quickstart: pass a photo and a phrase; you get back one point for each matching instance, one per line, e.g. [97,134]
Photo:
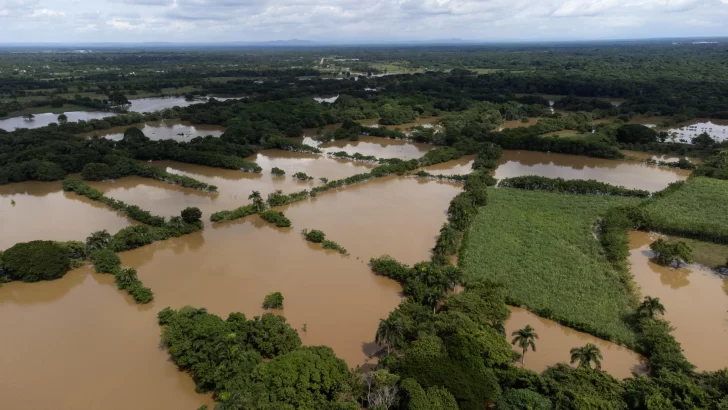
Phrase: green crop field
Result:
[699,209]
[542,248]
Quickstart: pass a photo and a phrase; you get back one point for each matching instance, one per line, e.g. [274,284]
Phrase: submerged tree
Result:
[586,355]
[525,338]
[650,307]
[390,333]
[258,202]
[667,253]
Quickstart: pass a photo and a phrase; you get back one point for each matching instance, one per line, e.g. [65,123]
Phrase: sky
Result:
[131,21]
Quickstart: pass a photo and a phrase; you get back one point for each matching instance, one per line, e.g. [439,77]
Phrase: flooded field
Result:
[630,174]
[160,103]
[695,300]
[89,345]
[234,186]
[43,211]
[717,129]
[182,131]
[376,146]
[554,342]
[41,120]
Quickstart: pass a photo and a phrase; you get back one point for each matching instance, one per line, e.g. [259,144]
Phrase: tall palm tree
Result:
[525,338]
[390,333]
[650,307]
[258,202]
[587,354]
[97,240]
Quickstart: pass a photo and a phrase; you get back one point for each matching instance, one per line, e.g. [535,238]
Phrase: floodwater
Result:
[88,345]
[421,121]
[43,211]
[330,100]
[181,131]
[234,186]
[717,129]
[160,103]
[695,300]
[555,341]
[41,120]
[630,174]
[376,146]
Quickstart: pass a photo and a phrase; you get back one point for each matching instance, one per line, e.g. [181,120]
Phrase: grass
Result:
[708,254]
[698,210]
[542,248]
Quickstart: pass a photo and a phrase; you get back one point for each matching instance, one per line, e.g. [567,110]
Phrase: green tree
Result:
[35,261]
[650,307]
[390,333]
[62,119]
[586,355]
[29,116]
[273,301]
[192,215]
[258,202]
[519,399]
[703,141]
[667,253]
[525,338]
[97,241]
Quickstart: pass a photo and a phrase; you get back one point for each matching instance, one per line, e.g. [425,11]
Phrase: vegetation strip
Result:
[316,236]
[574,186]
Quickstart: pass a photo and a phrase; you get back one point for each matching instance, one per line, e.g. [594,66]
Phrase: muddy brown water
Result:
[89,345]
[227,267]
[631,174]
[376,146]
[182,131]
[43,211]
[555,341]
[695,300]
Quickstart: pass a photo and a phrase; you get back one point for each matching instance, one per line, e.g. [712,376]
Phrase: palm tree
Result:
[525,338]
[650,307]
[587,354]
[258,202]
[125,277]
[390,333]
[98,240]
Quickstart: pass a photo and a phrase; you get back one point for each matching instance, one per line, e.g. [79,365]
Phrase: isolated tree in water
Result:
[98,240]
[650,307]
[586,355]
[525,338]
[62,119]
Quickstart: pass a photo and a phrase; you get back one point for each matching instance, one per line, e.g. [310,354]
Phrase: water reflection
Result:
[695,301]
[555,341]
[182,131]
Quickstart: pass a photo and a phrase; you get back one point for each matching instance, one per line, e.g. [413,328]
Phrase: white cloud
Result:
[46,13]
[4,12]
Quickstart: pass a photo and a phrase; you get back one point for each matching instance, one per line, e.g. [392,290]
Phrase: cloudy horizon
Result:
[339,21]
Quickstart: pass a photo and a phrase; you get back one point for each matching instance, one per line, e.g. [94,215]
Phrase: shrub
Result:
[576,186]
[517,399]
[191,215]
[35,261]
[105,261]
[335,246]
[273,301]
[278,172]
[314,235]
[302,176]
[666,253]
[276,217]
[96,172]
[142,295]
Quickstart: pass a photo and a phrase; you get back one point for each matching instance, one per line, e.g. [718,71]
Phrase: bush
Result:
[273,301]
[141,294]
[105,261]
[335,246]
[314,235]
[278,172]
[35,261]
[518,399]
[191,215]
[666,252]
[575,186]
[276,217]
[302,176]
[96,172]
